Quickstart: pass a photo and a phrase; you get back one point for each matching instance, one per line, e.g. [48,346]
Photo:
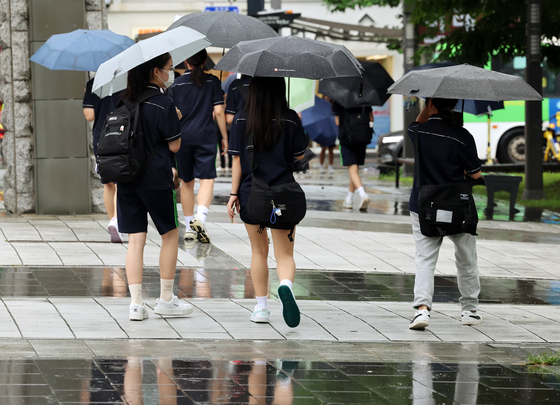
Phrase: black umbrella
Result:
[290,57]
[346,90]
[225,29]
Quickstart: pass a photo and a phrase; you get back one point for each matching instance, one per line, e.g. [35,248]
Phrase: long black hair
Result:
[197,61]
[265,111]
[140,76]
[445,107]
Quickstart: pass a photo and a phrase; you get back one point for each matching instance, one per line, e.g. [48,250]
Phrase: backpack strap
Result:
[244,91]
[251,152]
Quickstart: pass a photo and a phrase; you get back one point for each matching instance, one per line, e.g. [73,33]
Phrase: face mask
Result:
[171,80]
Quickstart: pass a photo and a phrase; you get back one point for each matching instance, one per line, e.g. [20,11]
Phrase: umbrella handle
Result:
[361,86]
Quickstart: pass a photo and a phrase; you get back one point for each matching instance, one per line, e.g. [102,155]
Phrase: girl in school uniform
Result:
[278,139]
[200,98]
[153,193]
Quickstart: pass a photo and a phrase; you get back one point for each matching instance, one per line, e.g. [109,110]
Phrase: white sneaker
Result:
[190,235]
[420,320]
[201,233]
[260,315]
[175,307]
[331,170]
[364,202]
[347,204]
[322,170]
[138,312]
[470,318]
[113,228]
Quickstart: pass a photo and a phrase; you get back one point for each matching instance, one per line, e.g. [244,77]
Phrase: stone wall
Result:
[17,116]
[96,17]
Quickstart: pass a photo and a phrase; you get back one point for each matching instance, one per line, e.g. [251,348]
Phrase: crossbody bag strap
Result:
[145,97]
[417,157]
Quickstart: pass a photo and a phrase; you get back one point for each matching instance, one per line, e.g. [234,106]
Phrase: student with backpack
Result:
[151,190]
[354,134]
[96,110]
[275,135]
[200,98]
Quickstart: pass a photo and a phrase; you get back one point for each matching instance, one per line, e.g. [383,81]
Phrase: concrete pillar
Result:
[41,175]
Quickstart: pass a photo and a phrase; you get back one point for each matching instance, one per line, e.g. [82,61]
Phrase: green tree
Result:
[498,28]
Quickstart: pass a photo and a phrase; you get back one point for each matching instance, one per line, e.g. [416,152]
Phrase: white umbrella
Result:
[181,43]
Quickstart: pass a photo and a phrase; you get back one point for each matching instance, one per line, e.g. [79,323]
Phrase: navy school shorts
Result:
[197,162]
[134,205]
[246,220]
[353,155]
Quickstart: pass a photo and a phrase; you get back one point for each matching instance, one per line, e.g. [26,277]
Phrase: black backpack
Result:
[120,152]
[355,129]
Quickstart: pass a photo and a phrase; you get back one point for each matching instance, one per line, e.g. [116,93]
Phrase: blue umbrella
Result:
[83,50]
[479,107]
[319,122]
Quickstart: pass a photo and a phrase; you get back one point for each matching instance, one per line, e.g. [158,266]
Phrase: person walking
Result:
[96,109]
[278,139]
[153,192]
[200,99]
[353,156]
[448,153]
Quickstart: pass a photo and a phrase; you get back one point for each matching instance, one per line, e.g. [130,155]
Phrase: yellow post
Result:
[489,160]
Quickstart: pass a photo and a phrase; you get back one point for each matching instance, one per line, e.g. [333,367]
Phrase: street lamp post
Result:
[533,109]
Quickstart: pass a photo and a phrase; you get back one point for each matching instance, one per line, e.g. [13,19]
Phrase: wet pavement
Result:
[65,336]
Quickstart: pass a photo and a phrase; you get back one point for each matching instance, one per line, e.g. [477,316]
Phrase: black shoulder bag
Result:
[444,209]
[276,207]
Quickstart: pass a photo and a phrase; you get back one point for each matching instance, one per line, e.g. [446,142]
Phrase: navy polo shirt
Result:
[197,105]
[235,101]
[160,124]
[101,107]
[275,167]
[448,151]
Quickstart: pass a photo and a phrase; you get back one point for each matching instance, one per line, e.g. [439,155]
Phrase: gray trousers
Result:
[427,251]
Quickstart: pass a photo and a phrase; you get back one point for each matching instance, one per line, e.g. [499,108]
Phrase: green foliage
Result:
[499,28]
[548,359]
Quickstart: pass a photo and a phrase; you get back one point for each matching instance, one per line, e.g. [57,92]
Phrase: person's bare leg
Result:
[284,254]
[355,181]
[187,198]
[168,254]
[322,156]
[331,156]
[110,199]
[205,192]
[259,259]
[135,257]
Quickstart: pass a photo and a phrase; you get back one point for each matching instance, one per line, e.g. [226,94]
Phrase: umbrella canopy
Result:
[464,81]
[83,50]
[290,57]
[346,90]
[225,29]
[479,107]
[181,43]
[319,122]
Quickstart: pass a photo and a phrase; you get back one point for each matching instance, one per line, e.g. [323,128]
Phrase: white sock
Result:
[136,294]
[330,167]
[362,192]
[287,282]
[262,302]
[188,219]
[349,197]
[166,291]
[201,213]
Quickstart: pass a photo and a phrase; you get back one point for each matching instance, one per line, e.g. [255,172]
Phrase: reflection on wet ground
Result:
[136,380]
[236,283]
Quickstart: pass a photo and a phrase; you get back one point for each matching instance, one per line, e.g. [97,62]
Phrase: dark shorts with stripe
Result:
[353,155]
[197,162]
[133,207]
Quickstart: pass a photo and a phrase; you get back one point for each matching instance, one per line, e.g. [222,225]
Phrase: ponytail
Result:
[197,61]
[445,107]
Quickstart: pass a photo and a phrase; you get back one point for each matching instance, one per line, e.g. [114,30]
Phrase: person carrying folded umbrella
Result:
[200,98]
[278,139]
[448,152]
